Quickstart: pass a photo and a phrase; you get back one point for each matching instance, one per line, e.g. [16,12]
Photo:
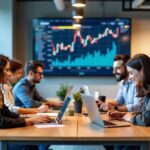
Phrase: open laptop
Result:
[63,108]
[59,117]
[94,113]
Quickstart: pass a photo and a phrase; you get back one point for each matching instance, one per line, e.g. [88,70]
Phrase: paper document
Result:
[48,125]
[48,114]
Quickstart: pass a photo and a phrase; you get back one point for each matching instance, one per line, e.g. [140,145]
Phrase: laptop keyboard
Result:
[56,108]
[53,120]
[107,123]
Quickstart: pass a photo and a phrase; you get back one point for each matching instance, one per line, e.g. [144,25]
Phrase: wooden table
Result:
[33,135]
[76,130]
[94,134]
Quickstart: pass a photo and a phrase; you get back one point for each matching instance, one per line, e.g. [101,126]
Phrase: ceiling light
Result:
[78,3]
[77,23]
[77,13]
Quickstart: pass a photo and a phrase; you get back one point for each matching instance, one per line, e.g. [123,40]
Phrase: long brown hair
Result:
[141,62]
[3,61]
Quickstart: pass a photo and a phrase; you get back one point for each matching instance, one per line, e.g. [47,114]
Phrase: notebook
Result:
[94,113]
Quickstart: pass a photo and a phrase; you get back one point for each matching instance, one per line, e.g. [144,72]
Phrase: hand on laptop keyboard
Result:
[115,115]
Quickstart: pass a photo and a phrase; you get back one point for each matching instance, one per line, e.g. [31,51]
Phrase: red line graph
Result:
[84,42]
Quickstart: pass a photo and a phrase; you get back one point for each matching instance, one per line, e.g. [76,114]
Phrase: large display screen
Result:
[88,51]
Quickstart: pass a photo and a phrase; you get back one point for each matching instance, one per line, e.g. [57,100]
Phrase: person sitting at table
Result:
[139,72]
[25,92]
[16,68]
[126,99]
[10,119]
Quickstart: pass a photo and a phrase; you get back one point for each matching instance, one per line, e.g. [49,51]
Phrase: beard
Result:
[120,76]
[36,81]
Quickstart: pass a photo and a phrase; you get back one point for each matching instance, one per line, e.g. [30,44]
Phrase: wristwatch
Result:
[115,107]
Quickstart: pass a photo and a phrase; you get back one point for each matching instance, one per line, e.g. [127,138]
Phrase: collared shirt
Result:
[9,98]
[127,96]
[26,95]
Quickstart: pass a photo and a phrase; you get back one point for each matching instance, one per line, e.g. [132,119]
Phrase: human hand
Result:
[38,119]
[106,106]
[115,115]
[53,104]
[127,117]
[57,104]
[43,108]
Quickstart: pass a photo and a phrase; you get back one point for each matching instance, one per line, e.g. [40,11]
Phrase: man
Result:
[126,99]
[25,92]
[16,69]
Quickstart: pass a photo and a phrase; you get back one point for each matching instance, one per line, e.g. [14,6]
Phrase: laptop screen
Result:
[63,108]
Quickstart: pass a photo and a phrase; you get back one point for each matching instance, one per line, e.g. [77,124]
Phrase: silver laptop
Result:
[94,113]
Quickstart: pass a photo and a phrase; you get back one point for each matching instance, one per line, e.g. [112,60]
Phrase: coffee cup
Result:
[102,98]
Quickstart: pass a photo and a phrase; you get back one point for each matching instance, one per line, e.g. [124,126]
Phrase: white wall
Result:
[6,27]
[26,11]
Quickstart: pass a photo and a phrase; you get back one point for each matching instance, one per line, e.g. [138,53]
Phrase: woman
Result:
[16,69]
[139,72]
[9,119]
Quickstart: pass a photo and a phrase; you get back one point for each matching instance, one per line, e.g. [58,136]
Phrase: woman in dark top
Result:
[9,119]
[139,71]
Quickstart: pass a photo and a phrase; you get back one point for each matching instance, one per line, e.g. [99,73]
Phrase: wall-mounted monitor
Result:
[86,51]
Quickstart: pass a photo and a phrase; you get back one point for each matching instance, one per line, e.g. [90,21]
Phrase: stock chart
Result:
[89,50]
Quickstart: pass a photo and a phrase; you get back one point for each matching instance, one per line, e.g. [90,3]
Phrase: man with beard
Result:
[127,99]
[25,92]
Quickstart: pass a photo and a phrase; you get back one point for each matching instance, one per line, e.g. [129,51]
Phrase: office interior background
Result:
[16,36]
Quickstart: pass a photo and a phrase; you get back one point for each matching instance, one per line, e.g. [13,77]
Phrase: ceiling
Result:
[139,5]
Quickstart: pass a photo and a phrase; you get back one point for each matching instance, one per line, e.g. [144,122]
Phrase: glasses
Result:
[40,73]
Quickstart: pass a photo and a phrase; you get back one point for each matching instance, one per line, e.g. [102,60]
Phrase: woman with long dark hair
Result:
[10,119]
[139,71]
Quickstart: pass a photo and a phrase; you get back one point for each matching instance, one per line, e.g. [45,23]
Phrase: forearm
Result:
[50,103]
[29,122]
[6,122]
[28,110]
[113,103]
[118,107]
[122,108]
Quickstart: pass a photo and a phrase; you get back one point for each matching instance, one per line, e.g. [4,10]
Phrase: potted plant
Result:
[78,101]
[62,91]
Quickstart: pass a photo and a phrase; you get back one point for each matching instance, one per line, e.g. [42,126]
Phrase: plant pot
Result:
[78,106]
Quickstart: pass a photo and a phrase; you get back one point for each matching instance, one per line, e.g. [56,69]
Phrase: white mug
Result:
[96,95]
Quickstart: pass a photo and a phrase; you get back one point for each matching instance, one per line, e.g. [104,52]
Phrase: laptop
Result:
[94,114]
[59,114]
[59,117]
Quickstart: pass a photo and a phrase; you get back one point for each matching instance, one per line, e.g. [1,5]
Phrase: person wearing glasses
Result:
[25,92]
[16,69]
[10,119]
